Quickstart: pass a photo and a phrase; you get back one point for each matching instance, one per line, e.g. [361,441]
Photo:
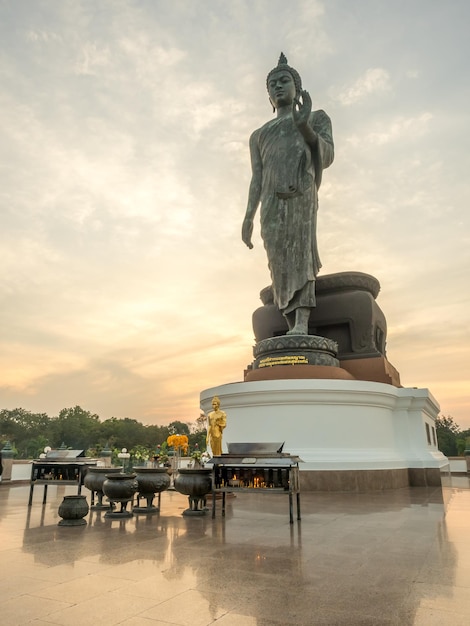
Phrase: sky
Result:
[124,171]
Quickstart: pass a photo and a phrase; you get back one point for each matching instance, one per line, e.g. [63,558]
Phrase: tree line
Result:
[77,429]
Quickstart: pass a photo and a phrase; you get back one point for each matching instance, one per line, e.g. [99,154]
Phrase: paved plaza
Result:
[395,557]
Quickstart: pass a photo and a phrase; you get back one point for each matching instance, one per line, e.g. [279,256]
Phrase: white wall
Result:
[333,424]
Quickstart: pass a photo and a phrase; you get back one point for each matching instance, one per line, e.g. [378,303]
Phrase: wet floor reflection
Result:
[382,558]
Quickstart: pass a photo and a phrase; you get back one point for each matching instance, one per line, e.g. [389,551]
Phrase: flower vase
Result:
[120,488]
[150,480]
[94,479]
[72,510]
[195,483]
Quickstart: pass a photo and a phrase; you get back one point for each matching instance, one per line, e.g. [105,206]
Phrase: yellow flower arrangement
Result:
[178,442]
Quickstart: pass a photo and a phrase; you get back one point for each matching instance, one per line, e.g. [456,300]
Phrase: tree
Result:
[123,433]
[197,437]
[201,423]
[77,428]
[21,426]
[448,434]
[178,428]
[32,448]
[154,435]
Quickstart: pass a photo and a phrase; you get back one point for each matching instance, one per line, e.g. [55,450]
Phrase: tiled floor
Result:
[384,558]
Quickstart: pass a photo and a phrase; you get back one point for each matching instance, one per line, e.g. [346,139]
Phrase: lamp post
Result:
[124,456]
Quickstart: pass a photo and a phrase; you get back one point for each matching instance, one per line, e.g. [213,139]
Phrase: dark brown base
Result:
[283,372]
[361,481]
[373,369]
[426,476]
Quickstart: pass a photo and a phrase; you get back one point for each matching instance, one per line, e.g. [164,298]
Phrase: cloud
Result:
[397,129]
[92,58]
[42,36]
[373,81]
[125,172]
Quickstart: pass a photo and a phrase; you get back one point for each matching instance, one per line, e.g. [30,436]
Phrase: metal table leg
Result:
[30,501]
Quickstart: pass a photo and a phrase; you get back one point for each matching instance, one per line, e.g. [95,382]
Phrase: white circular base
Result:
[334,424]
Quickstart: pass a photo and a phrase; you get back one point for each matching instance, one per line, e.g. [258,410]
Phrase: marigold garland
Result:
[178,441]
